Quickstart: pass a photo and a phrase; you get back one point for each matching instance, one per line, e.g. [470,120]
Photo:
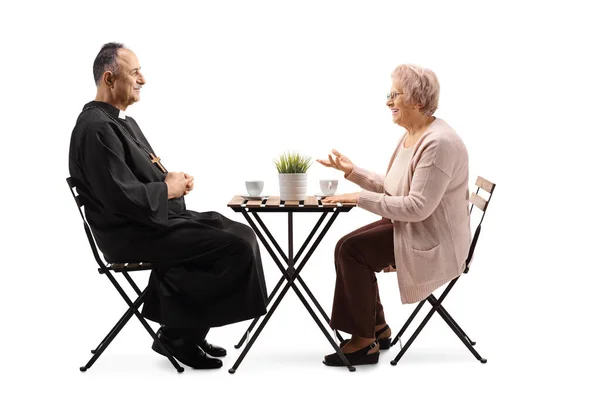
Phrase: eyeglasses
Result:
[392,96]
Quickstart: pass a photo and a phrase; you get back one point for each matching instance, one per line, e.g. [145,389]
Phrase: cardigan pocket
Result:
[424,265]
[424,236]
[431,248]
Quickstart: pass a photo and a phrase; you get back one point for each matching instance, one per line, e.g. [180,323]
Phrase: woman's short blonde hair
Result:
[419,85]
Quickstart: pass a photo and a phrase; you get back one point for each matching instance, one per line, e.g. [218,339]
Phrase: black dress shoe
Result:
[359,357]
[186,352]
[384,344]
[212,350]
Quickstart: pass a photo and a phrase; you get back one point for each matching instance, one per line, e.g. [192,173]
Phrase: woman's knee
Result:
[340,244]
[350,251]
[336,252]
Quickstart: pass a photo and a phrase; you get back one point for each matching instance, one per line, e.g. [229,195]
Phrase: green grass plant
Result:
[292,163]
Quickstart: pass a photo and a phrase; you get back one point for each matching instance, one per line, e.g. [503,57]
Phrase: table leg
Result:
[247,333]
[297,257]
[287,261]
[291,273]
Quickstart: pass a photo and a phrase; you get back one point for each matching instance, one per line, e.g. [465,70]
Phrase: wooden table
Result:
[291,273]
[272,203]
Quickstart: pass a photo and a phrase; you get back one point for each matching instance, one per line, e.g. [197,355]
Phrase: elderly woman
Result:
[425,230]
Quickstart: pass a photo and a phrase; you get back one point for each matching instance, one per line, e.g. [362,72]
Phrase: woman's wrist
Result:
[348,172]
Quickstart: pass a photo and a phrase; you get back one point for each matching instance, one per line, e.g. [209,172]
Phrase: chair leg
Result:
[123,320]
[414,335]
[441,311]
[163,348]
[133,309]
[407,323]
[445,316]
[107,340]
[459,332]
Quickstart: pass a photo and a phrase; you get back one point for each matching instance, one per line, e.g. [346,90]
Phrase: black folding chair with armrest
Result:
[124,269]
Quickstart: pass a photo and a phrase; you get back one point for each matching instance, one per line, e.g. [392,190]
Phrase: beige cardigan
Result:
[432,231]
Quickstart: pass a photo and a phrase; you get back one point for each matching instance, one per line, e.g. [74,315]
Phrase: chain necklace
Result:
[153,158]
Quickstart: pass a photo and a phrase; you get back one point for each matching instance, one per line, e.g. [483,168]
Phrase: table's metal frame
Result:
[292,272]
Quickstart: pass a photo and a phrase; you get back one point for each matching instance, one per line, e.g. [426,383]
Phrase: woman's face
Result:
[401,113]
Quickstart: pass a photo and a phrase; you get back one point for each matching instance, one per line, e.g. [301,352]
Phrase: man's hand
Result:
[190,183]
[338,161]
[177,184]
[342,198]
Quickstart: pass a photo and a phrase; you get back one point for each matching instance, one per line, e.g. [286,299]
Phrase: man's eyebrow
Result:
[135,69]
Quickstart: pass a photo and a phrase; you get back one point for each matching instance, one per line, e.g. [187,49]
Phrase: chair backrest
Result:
[478,201]
[72,182]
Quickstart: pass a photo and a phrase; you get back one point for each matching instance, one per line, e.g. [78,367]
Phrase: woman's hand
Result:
[338,161]
[342,198]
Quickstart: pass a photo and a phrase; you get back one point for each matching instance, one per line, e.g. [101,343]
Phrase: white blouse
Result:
[398,170]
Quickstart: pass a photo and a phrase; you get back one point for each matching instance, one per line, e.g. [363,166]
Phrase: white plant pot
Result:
[292,186]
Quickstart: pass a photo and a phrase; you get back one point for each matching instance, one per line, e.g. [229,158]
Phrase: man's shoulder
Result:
[93,121]
[132,122]
[92,117]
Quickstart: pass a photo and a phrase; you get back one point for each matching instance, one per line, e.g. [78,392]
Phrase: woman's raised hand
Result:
[338,161]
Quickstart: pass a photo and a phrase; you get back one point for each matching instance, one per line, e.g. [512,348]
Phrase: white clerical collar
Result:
[122,114]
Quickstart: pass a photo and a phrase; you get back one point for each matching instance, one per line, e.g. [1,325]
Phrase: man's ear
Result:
[108,78]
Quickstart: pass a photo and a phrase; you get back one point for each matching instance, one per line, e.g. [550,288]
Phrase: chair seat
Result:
[390,268]
[128,267]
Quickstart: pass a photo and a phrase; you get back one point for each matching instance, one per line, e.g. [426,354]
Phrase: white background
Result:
[231,86]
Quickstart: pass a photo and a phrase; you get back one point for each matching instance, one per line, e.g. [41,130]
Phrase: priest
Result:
[211,270]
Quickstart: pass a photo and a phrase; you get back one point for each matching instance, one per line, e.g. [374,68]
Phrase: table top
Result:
[273,203]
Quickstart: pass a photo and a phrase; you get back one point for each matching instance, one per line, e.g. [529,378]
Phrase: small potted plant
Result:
[292,169]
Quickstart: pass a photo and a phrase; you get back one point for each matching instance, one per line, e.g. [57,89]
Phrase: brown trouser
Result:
[358,255]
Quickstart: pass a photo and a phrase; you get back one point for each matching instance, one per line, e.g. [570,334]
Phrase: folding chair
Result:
[482,204]
[124,269]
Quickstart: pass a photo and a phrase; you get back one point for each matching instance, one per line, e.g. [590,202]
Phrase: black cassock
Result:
[216,275]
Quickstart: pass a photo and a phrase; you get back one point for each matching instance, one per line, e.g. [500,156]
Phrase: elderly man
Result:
[137,212]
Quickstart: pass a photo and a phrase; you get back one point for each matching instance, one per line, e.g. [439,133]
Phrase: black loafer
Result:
[186,352]
[384,344]
[212,350]
[359,357]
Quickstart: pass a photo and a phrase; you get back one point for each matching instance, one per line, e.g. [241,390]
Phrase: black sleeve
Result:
[115,185]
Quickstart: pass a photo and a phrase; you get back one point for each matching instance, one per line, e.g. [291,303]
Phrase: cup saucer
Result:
[321,195]
[254,197]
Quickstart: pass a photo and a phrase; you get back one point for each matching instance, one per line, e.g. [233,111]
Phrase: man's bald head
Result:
[106,60]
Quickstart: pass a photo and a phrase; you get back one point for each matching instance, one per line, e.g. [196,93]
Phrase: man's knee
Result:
[240,246]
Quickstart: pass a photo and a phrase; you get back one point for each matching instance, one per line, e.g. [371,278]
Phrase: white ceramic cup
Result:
[328,186]
[255,188]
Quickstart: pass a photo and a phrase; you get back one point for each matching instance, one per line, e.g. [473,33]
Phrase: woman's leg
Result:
[380,319]
[356,306]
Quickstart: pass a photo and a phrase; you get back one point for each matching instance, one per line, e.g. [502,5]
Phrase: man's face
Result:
[129,81]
